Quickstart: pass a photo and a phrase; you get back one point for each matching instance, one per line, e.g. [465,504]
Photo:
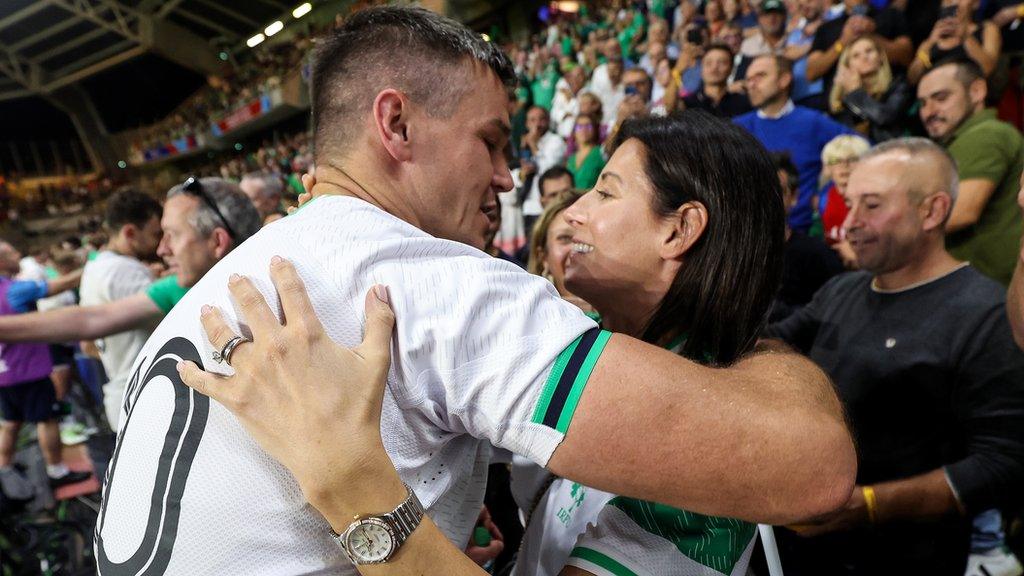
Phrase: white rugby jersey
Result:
[483,353]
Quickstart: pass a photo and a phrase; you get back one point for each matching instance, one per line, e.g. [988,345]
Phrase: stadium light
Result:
[302,10]
[255,40]
[274,28]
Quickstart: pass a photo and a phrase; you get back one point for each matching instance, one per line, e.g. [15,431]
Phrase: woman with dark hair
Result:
[679,243]
[586,162]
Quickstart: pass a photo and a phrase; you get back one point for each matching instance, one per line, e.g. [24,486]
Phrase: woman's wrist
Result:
[360,486]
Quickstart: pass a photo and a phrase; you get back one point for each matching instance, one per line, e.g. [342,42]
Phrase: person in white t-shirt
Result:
[485,354]
[133,221]
[194,237]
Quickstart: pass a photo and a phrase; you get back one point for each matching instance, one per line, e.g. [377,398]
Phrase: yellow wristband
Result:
[1020,10]
[870,502]
[838,47]
[924,58]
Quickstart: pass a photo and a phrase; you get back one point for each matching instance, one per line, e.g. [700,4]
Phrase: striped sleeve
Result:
[569,374]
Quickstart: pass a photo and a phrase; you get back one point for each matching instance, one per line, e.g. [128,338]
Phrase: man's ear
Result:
[978,91]
[390,118]
[685,229]
[937,209]
[221,242]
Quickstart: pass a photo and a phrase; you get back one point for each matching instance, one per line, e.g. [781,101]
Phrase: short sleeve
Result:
[22,294]
[633,537]
[490,351]
[982,154]
[165,293]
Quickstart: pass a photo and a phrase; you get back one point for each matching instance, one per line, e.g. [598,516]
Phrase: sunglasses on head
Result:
[194,187]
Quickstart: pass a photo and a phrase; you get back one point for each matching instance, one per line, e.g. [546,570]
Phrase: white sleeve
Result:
[485,348]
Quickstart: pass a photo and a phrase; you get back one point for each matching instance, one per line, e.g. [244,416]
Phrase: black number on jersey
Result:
[179,449]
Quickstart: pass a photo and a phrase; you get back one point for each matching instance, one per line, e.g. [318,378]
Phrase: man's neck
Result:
[772,41]
[715,91]
[773,109]
[119,245]
[338,178]
[934,263]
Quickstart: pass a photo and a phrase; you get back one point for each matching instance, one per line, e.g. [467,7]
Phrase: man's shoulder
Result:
[991,130]
[746,120]
[846,284]
[970,287]
[109,263]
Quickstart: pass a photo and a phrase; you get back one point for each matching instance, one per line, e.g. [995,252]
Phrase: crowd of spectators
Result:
[262,70]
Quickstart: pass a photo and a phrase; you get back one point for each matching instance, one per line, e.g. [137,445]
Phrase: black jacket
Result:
[886,116]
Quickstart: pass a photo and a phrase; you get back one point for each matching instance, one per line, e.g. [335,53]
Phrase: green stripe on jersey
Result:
[602,561]
[717,543]
[581,381]
[556,374]
[561,394]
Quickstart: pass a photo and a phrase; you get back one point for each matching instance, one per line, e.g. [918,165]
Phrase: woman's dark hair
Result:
[721,296]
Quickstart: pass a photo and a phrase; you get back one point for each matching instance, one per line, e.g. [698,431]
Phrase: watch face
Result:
[371,541]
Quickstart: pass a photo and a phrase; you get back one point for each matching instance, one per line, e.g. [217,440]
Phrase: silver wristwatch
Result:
[375,539]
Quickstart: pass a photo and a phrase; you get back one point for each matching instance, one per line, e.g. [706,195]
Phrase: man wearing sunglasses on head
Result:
[203,220]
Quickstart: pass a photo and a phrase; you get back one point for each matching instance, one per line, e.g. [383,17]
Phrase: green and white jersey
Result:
[484,355]
[637,538]
[602,533]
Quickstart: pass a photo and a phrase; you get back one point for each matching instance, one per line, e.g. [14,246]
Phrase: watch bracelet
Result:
[406,516]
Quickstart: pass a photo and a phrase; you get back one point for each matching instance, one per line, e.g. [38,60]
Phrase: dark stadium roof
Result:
[48,44]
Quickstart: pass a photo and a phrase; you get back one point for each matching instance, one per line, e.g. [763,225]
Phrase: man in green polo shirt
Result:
[985,225]
[203,220]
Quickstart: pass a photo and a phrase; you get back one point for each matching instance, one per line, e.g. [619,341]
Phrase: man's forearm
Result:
[1015,301]
[924,497]
[818,63]
[764,440]
[899,51]
[78,322]
[65,282]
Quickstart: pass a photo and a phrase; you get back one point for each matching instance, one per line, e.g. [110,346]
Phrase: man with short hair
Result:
[921,353]
[714,95]
[541,149]
[554,182]
[133,221]
[985,226]
[770,37]
[410,153]
[26,391]
[265,192]
[202,221]
[636,102]
[782,126]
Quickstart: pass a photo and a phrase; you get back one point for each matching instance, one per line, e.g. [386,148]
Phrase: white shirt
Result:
[564,108]
[476,342]
[107,278]
[550,151]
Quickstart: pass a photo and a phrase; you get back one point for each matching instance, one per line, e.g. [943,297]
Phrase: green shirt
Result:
[166,292]
[584,175]
[543,87]
[988,149]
